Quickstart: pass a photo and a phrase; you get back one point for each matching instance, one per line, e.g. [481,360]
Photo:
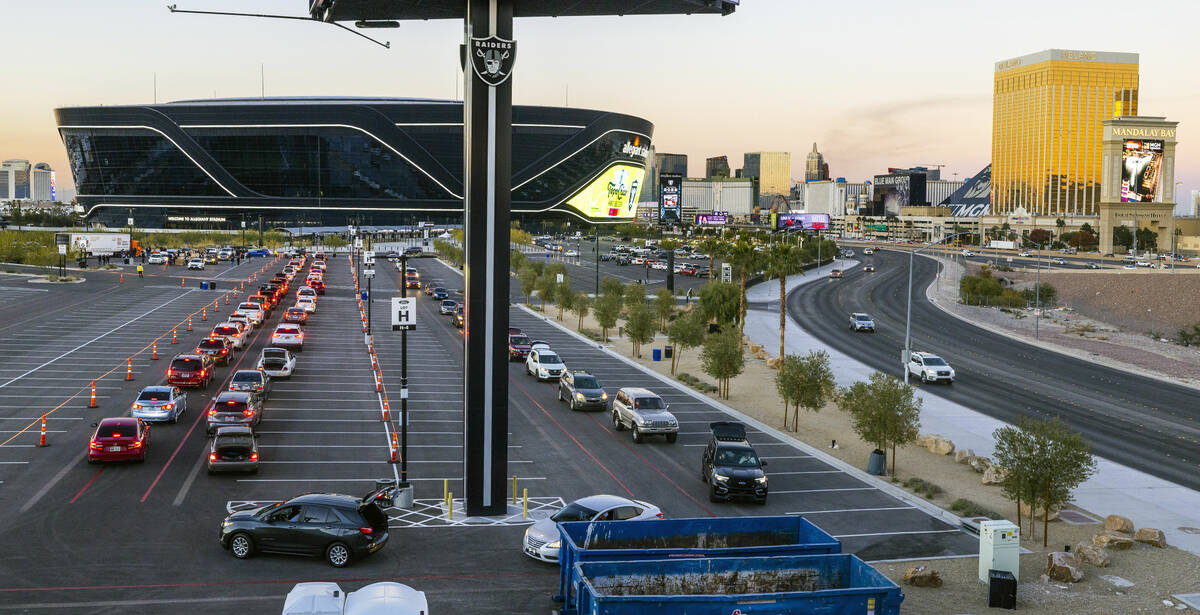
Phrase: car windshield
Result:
[742,458]
[573,512]
[185,364]
[439,290]
[861,317]
[934,361]
[253,307]
[548,357]
[518,340]
[158,395]
[648,403]
[586,382]
[234,442]
[247,376]
[116,430]
[212,342]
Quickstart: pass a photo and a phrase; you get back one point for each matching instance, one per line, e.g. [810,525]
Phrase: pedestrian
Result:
[140,272]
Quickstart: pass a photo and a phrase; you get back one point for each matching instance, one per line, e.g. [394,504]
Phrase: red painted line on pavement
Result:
[572,437]
[430,577]
[89,484]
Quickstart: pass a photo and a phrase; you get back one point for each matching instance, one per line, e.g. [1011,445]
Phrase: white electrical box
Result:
[999,548]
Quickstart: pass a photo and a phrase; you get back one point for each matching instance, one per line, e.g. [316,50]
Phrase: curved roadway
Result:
[1133,420]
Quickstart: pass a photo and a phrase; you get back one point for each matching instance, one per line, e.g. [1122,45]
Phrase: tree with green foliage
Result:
[639,327]
[563,296]
[715,249]
[634,295]
[745,261]
[528,276]
[334,241]
[607,309]
[1043,293]
[664,307]
[686,331]
[547,288]
[722,358]
[1147,240]
[719,303]
[516,260]
[884,412]
[580,304]
[612,287]
[1122,236]
[804,382]
[783,260]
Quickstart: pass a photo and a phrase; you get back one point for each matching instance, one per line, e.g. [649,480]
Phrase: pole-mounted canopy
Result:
[372,10]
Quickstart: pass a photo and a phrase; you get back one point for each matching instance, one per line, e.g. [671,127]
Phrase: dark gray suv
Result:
[581,390]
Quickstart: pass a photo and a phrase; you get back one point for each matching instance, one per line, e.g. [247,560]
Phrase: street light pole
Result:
[908,311]
[404,386]
[597,256]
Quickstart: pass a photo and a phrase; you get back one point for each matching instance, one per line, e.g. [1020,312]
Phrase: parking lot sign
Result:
[404,313]
[726,272]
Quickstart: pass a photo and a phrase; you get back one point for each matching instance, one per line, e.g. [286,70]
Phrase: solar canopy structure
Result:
[488,56]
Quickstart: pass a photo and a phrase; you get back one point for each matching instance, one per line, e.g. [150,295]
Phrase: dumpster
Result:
[839,584]
[203,285]
[657,539]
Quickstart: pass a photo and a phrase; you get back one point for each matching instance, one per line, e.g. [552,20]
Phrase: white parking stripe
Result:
[848,510]
[826,490]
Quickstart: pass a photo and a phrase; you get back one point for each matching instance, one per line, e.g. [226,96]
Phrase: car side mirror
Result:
[95,424]
[762,462]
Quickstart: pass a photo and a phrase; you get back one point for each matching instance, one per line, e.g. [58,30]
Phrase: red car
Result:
[121,438]
[316,285]
[190,370]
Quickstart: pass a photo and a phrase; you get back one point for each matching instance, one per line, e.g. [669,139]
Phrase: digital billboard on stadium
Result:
[612,195]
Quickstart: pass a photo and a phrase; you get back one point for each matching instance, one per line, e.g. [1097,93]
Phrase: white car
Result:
[241,318]
[277,362]
[1146,264]
[308,303]
[868,251]
[968,253]
[542,538]
[253,311]
[324,598]
[235,332]
[157,258]
[930,368]
[288,335]
[306,291]
[1025,254]
[225,255]
[544,364]
[196,263]
[861,322]
[1058,261]
[571,253]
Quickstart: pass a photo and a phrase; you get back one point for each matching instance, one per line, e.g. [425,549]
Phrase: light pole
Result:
[403,385]
[908,312]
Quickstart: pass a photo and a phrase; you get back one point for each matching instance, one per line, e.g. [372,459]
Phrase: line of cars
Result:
[446,306]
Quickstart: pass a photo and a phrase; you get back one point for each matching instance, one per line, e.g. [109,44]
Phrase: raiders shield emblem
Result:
[492,58]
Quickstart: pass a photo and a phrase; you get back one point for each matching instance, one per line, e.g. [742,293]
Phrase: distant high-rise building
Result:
[1047,109]
[663,163]
[1195,203]
[17,179]
[773,170]
[815,168]
[41,181]
[717,166]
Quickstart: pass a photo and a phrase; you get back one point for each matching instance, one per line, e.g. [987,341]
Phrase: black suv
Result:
[731,467]
[337,527]
[581,390]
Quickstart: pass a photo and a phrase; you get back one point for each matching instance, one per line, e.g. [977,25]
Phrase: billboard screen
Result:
[807,222]
[612,195]
[670,186]
[713,219]
[891,193]
[1141,169]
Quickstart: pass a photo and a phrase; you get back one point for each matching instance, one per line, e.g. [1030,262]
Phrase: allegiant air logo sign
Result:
[629,149]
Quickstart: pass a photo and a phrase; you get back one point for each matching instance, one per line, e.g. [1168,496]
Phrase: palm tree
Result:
[746,260]
[715,248]
[782,261]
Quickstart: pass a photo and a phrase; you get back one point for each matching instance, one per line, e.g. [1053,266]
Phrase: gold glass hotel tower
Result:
[1047,110]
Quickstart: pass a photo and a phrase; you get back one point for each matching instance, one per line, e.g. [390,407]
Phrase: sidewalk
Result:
[1148,501]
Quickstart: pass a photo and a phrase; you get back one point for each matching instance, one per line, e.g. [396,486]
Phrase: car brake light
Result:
[166,406]
[212,456]
[248,412]
[136,444]
[170,372]
[212,412]
[366,530]
[95,445]
[137,406]
[203,373]
[658,516]
[260,368]
[253,456]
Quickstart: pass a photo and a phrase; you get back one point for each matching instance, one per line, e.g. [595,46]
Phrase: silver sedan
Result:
[541,540]
[159,404]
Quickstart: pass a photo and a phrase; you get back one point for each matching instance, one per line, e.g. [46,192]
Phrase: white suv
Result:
[930,368]
[196,263]
[544,364]
[861,322]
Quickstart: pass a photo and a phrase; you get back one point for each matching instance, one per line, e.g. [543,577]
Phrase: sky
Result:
[875,83]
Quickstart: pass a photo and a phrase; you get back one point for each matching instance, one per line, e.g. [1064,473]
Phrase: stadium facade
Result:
[327,161]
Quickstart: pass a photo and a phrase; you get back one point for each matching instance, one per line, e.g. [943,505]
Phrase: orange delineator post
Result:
[154,350]
[92,404]
[122,280]
[42,440]
[226,298]
[377,385]
[395,447]
[181,282]
[216,305]
[174,335]
[204,313]
[129,369]
[385,408]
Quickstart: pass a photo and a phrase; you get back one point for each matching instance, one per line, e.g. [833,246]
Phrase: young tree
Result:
[516,260]
[722,358]
[1044,461]
[804,382]
[580,304]
[612,287]
[664,306]
[719,302]
[639,327]
[783,260]
[607,309]
[1016,453]
[685,332]
[634,294]
[564,295]
[884,412]
[528,276]
[547,287]
[1040,236]
[714,248]
[745,260]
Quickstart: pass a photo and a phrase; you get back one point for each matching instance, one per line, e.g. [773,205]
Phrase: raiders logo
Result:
[492,59]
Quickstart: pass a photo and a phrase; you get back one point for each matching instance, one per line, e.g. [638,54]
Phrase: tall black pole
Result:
[488,53]
[370,300]
[597,251]
[404,384]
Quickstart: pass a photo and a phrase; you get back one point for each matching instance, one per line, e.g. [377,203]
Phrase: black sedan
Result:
[334,526]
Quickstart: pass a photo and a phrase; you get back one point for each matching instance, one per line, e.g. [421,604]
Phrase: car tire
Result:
[637,435]
[337,555]
[241,545]
[762,502]
[713,497]
[672,437]
[560,395]
[210,472]
[142,459]
[616,419]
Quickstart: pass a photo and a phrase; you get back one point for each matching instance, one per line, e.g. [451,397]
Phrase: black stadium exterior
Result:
[324,161]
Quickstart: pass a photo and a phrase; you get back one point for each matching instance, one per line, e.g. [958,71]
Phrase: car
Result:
[234,448]
[306,291]
[730,465]
[610,256]
[316,284]
[210,258]
[541,541]
[644,414]
[232,332]
[966,252]
[308,304]
[571,253]
[835,274]
[412,251]
[429,286]
[539,344]
[159,403]
[514,331]
[440,293]
[544,364]
[252,381]
[518,346]
[252,311]
[1092,266]
[868,251]
[233,408]
[288,335]
[1025,254]
[868,268]
[157,258]
[1058,261]
[624,260]
[258,252]
[861,322]
[337,527]
[122,438]
[447,306]
[240,317]
[196,263]
[930,368]
[218,348]
[295,315]
[702,272]
[276,362]
[688,270]
[412,281]
[1130,266]
[581,390]
[1145,264]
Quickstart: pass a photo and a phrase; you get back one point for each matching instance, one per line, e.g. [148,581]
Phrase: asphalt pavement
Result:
[1140,422]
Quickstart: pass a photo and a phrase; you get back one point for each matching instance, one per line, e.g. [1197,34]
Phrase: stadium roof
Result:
[368,10]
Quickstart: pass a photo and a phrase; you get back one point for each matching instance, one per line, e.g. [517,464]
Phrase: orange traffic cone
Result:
[42,440]
[92,404]
[204,313]
[154,350]
[226,298]
[129,369]
[395,449]
[181,282]
[385,408]
[122,280]
[174,335]
[216,305]
[189,322]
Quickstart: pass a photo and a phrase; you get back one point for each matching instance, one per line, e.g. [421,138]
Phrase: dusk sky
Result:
[875,83]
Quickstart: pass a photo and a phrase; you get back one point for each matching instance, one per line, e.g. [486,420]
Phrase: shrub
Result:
[922,487]
[1048,294]
[967,508]
[1189,337]
[696,383]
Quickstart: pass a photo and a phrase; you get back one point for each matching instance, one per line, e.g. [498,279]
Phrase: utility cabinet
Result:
[999,548]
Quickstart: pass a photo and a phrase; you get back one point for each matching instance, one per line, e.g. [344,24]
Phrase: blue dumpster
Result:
[656,354]
[813,584]
[686,538]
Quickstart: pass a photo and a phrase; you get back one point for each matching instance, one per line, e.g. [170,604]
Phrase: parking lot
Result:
[106,538]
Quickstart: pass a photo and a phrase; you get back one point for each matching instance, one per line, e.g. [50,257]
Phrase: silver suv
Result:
[644,413]
[861,322]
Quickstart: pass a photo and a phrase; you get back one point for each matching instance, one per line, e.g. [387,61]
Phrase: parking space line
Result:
[848,510]
[809,472]
[826,490]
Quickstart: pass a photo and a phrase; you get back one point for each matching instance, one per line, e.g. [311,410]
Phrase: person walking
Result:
[140,274]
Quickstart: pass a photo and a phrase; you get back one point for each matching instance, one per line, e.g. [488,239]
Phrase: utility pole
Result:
[404,385]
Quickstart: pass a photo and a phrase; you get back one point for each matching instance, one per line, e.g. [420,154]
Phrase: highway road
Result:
[1133,420]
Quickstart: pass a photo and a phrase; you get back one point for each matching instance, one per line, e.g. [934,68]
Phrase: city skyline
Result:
[938,110]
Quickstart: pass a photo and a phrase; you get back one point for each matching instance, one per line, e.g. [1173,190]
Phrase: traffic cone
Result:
[377,387]
[204,314]
[216,305]
[122,280]
[226,298]
[181,282]
[129,369]
[154,350]
[395,448]
[189,322]
[42,440]
[174,335]
[385,408]
[92,403]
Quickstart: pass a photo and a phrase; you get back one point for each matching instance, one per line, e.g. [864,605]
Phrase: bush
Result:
[1048,294]
[592,335]
[696,383]
[967,508]
[1188,337]
[922,487]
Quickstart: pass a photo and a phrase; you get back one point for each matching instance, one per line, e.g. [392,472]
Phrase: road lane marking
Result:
[88,484]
